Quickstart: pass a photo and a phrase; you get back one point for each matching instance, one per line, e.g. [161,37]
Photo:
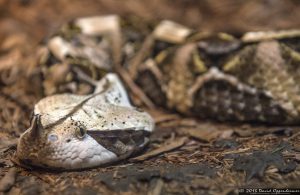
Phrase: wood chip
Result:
[226,134]
[8,180]
[176,143]
[297,157]
[157,188]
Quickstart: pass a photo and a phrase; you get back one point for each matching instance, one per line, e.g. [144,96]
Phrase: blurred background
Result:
[24,24]
[37,18]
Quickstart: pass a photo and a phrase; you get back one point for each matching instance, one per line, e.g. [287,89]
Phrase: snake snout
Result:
[27,148]
[30,142]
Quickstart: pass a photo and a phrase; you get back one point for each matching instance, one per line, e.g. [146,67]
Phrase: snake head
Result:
[73,144]
[74,132]
[61,146]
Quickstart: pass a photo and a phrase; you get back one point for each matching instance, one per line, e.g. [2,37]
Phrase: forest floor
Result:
[185,155]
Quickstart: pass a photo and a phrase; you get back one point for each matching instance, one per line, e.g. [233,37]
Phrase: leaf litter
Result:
[185,155]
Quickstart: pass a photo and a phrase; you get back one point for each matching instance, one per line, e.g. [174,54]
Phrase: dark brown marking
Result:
[121,142]
[152,88]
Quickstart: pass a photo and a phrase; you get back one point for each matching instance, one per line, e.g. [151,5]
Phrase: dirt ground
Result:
[185,156]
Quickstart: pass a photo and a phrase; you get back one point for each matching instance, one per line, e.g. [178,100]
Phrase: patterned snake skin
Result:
[248,78]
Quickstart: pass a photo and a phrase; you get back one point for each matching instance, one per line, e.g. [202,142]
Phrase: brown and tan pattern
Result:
[252,77]
[21,83]
[248,79]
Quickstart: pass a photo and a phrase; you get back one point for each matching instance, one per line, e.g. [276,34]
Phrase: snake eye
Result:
[80,132]
[52,138]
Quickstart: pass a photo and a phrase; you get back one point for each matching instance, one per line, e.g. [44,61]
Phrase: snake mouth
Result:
[99,148]
[122,142]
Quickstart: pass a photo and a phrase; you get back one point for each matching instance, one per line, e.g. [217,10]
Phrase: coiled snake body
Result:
[252,78]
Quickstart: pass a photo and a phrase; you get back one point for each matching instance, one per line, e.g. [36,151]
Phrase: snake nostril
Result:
[139,109]
[68,140]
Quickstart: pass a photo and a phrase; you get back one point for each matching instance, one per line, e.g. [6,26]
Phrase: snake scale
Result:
[251,77]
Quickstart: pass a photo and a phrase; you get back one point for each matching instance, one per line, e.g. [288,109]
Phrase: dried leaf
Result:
[176,143]
[156,190]
[10,60]
[244,133]
[8,180]
[256,163]
[201,134]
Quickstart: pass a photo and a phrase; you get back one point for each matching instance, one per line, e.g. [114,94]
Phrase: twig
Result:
[134,88]
[293,136]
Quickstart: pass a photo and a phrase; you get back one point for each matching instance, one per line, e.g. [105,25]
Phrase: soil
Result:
[185,155]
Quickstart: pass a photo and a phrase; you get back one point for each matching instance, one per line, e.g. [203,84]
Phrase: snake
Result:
[87,120]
